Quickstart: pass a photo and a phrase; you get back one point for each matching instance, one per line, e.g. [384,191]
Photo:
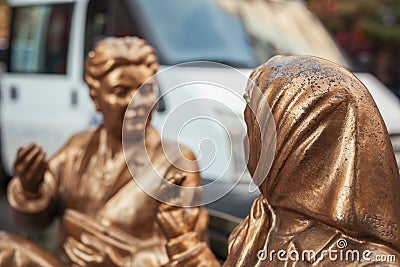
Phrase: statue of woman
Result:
[331,197]
[107,216]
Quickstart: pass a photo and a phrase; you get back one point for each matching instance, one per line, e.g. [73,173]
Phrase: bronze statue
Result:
[332,196]
[108,220]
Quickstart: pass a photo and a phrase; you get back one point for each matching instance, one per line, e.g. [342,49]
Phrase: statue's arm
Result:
[28,207]
[186,228]
[33,191]
[32,211]
[185,249]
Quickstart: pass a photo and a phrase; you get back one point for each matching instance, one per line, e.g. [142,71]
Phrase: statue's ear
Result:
[93,85]
[93,95]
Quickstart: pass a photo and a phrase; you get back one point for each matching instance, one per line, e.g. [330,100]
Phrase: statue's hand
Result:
[30,166]
[90,251]
[175,221]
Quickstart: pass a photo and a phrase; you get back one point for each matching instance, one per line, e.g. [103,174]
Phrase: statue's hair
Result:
[114,52]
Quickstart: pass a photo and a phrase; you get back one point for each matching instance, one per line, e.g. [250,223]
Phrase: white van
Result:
[44,98]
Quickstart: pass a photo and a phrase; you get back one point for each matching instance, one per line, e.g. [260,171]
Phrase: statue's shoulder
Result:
[82,139]
[177,151]
[172,149]
[77,142]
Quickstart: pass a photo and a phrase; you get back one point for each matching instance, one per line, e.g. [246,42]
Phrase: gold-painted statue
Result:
[331,197]
[108,220]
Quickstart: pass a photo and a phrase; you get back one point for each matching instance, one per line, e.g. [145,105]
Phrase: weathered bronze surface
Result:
[334,184]
[18,251]
[108,220]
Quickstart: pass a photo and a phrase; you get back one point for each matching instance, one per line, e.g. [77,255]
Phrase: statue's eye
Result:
[146,89]
[121,91]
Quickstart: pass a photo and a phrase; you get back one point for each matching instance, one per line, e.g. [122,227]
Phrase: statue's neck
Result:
[111,145]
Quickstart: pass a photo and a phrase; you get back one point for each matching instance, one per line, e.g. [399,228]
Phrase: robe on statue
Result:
[81,184]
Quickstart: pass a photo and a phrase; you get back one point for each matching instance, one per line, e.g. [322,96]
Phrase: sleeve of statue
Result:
[190,247]
[33,211]
[29,203]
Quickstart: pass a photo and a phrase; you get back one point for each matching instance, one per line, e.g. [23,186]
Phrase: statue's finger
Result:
[82,250]
[36,166]
[26,168]
[23,151]
[93,242]
[70,251]
[31,155]
[22,168]
[191,216]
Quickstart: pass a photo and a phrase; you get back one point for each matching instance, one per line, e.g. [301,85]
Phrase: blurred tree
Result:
[4,36]
[368,30]
[4,21]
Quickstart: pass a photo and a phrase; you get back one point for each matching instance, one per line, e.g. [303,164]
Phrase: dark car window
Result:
[107,18]
[39,38]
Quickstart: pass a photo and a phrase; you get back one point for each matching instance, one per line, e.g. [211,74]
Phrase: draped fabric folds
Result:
[334,164]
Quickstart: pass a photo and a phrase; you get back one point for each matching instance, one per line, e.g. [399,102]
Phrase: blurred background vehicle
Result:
[44,98]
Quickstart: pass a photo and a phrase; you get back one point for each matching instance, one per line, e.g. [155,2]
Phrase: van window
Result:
[39,38]
[107,18]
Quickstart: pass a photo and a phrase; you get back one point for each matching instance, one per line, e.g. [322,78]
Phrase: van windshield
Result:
[197,30]
[239,33]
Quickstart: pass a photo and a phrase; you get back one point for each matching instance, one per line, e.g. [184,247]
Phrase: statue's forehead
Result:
[129,75]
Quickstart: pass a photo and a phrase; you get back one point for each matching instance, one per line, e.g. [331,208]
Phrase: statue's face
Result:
[116,92]
[253,143]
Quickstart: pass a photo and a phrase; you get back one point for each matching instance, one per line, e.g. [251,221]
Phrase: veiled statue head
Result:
[333,161]
[114,71]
